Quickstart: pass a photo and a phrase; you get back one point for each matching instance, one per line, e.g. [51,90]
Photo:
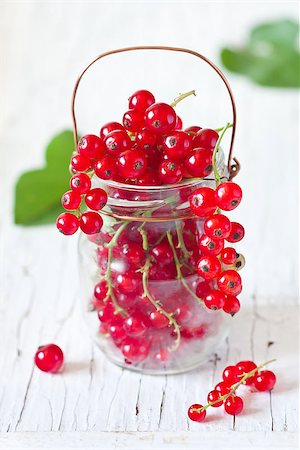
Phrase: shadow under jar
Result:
[139,279]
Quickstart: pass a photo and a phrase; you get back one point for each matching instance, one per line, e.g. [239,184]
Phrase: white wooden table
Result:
[93,404]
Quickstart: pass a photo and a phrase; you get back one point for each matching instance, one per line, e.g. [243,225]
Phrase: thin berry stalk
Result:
[182,97]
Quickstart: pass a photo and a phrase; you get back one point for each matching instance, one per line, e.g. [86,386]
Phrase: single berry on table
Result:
[49,358]
[234,405]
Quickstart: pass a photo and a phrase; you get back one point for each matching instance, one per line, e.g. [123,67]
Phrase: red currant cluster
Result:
[224,393]
[219,264]
[149,149]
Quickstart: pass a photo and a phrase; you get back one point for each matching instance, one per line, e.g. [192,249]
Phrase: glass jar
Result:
[139,279]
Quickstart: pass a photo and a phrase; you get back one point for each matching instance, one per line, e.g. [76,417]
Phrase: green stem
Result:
[182,97]
[178,269]
[110,293]
[181,243]
[221,128]
[235,386]
[216,149]
[156,304]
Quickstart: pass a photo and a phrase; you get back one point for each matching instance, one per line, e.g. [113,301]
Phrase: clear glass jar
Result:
[151,319]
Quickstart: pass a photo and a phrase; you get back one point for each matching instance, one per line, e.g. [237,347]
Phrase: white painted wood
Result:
[94,404]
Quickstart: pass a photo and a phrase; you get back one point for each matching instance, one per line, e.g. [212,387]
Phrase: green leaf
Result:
[38,192]
[270,57]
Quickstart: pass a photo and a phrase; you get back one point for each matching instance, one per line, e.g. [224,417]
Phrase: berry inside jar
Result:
[159,265]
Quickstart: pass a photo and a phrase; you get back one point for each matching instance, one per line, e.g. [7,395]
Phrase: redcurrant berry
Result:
[67,223]
[116,330]
[193,129]
[229,196]
[145,139]
[237,232]
[71,200]
[217,226]
[80,183]
[178,124]
[203,202]
[244,367]
[214,299]
[206,138]
[133,120]
[230,376]
[117,141]
[90,222]
[105,167]
[230,282]
[209,267]
[231,305]
[228,255]
[132,164]
[196,414]
[183,314]
[91,146]
[134,326]
[109,127]
[149,178]
[177,144]
[162,252]
[160,117]
[134,254]
[135,350]
[203,287]
[198,162]
[158,320]
[234,405]
[222,387]
[96,199]
[100,291]
[106,314]
[265,380]
[213,397]
[170,172]
[49,358]
[210,246]
[128,282]
[141,100]
[80,163]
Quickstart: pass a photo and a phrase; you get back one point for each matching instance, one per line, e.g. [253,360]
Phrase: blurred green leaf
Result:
[270,57]
[38,192]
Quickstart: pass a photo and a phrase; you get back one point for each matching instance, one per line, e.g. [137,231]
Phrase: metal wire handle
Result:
[233,167]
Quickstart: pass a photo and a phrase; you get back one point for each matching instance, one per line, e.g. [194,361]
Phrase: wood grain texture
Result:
[94,404]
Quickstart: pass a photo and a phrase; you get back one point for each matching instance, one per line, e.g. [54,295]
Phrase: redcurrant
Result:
[234,405]
[203,202]
[206,138]
[117,141]
[80,183]
[80,163]
[230,282]
[265,380]
[132,163]
[141,100]
[134,254]
[244,367]
[135,350]
[158,320]
[195,413]
[231,305]
[71,200]
[177,144]
[210,246]
[162,252]
[160,117]
[170,172]
[193,129]
[217,226]
[209,267]
[133,120]
[128,282]
[49,358]
[198,162]
[237,232]
[178,124]
[213,397]
[229,196]
[134,326]
[105,167]
[145,139]
[228,255]
[214,299]
[109,127]
[91,146]
[230,376]
[96,199]
[91,222]
[67,223]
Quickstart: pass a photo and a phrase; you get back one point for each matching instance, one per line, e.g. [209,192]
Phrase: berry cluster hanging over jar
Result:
[160,271]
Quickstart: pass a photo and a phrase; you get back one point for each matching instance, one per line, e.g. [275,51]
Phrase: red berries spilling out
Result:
[225,392]
[49,358]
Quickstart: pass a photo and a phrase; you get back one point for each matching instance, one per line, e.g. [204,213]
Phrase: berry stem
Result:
[181,243]
[156,304]
[178,268]
[214,158]
[235,386]
[182,97]
[230,125]
[110,292]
